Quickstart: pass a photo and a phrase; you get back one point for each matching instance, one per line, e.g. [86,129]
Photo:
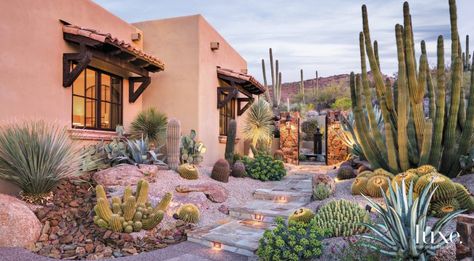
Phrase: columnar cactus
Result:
[302,85]
[276,79]
[411,138]
[173,135]
[133,214]
[230,143]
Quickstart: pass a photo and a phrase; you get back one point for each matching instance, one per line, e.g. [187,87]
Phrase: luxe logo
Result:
[432,236]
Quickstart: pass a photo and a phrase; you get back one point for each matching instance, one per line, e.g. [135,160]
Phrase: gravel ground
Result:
[240,191]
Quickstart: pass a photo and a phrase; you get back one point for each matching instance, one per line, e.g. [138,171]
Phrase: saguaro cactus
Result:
[276,79]
[230,143]
[302,85]
[412,138]
[173,135]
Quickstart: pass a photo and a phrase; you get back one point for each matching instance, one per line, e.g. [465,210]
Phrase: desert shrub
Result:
[264,168]
[297,241]
[150,124]
[36,156]
[355,251]
[342,104]
[309,128]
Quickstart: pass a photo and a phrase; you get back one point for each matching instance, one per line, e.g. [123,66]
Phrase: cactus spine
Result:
[173,136]
[230,142]
[410,139]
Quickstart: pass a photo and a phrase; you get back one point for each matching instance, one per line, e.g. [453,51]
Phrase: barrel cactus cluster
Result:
[301,215]
[448,196]
[341,218]
[132,212]
[411,138]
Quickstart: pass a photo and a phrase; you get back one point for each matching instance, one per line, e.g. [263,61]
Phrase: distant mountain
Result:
[290,89]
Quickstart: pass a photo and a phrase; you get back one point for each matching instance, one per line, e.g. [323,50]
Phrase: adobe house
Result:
[76,63]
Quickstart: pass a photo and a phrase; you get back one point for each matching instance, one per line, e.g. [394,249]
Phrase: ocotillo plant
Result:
[276,80]
[410,137]
[230,143]
[173,136]
[302,85]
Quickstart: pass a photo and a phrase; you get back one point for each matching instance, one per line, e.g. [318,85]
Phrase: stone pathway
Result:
[246,224]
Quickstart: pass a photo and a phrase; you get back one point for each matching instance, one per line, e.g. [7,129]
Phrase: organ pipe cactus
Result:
[173,135]
[133,214]
[409,137]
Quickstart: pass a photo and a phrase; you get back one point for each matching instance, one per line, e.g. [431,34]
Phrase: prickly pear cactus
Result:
[130,214]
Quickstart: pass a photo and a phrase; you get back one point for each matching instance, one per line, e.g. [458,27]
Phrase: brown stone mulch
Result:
[69,232]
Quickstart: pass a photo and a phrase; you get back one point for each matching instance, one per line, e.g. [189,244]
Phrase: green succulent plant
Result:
[133,213]
[36,156]
[443,187]
[359,186]
[258,126]
[443,207]
[377,185]
[150,124]
[404,221]
[321,191]
[191,150]
[295,241]
[264,168]
[464,197]
[189,213]
[410,138]
[301,215]
[341,218]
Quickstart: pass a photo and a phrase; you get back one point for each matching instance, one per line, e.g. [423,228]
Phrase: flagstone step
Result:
[265,210]
[238,236]
[282,196]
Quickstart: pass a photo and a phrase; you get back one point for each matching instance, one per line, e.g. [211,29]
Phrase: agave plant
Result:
[149,123]
[36,156]
[258,127]
[139,152]
[404,232]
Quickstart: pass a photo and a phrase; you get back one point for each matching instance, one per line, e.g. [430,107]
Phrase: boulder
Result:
[214,192]
[19,226]
[125,174]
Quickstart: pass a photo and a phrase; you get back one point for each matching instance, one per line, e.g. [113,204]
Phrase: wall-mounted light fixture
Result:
[214,46]
[216,245]
[136,37]
[258,217]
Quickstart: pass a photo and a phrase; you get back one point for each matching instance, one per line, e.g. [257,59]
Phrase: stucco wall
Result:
[186,90]
[31,58]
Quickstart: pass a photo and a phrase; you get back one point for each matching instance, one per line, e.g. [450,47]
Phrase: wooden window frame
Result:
[228,116]
[98,100]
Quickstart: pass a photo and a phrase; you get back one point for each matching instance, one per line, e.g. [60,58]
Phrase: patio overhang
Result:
[105,47]
[238,82]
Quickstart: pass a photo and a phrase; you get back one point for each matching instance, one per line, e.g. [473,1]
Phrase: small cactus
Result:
[133,214]
[188,171]
[100,192]
[301,215]
[188,213]
[377,185]
[238,170]
[345,172]
[321,192]
[221,171]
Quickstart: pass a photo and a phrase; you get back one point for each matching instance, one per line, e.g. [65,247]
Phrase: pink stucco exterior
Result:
[186,90]
[31,57]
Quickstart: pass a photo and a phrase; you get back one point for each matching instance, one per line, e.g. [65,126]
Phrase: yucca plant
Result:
[404,232]
[36,156]
[258,127]
[151,124]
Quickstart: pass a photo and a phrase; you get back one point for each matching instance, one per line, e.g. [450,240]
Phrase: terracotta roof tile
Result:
[109,39]
[245,77]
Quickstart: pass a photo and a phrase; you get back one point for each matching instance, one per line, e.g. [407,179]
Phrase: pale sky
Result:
[309,34]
